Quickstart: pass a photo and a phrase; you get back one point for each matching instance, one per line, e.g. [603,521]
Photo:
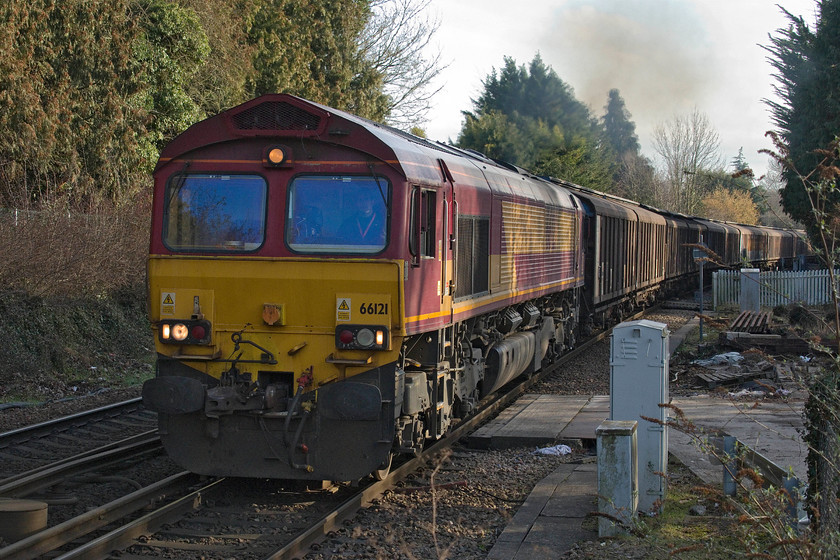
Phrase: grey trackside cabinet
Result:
[618,494]
[638,384]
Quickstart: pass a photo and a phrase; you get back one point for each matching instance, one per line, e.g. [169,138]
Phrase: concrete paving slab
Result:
[534,420]
[483,437]
[584,424]
[560,474]
[577,501]
[771,428]
[687,449]
[551,519]
[504,550]
[558,533]
[677,337]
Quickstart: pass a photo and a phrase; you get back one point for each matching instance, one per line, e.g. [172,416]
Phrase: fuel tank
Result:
[507,359]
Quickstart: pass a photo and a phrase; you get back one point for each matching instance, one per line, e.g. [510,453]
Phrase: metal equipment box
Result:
[638,385]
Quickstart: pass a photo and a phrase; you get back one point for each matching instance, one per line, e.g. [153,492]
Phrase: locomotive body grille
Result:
[275,115]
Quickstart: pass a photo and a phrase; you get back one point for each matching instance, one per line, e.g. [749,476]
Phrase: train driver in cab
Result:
[365,222]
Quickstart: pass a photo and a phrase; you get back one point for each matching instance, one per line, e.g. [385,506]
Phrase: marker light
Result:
[346,337]
[190,331]
[276,156]
[198,332]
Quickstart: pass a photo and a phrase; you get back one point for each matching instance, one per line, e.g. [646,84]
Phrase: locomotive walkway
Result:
[552,519]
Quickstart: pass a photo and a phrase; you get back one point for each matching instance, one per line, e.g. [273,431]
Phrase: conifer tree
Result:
[634,176]
[807,113]
[529,117]
[620,130]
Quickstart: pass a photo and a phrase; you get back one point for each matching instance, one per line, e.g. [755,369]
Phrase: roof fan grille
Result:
[274,115]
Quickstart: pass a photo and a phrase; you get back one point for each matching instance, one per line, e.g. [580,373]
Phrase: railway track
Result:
[31,447]
[183,515]
[67,462]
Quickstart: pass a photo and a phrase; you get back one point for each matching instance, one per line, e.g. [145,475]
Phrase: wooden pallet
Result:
[751,322]
[714,378]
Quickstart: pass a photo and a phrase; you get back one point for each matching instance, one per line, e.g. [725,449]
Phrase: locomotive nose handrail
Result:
[267,356]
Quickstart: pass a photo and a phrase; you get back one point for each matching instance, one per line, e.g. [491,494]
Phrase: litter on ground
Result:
[730,358]
[555,450]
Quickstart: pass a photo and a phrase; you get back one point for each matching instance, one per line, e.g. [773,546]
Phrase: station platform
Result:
[552,518]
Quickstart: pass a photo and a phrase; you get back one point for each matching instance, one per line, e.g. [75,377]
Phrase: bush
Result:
[54,252]
[54,347]
[73,311]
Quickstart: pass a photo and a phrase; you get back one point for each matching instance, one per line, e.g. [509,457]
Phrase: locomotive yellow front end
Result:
[271,368]
[275,298]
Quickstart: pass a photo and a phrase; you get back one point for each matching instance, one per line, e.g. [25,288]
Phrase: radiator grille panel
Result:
[471,276]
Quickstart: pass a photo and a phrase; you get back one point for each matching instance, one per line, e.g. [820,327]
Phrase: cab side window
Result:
[422,242]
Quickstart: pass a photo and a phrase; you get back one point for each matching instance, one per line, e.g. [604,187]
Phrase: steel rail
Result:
[27,433]
[37,479]
[118,539]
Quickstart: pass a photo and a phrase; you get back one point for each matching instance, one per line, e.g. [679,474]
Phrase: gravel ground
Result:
[475,492]
[589,374]
[474,495]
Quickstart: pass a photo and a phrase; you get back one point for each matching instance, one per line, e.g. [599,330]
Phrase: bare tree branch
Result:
[396,43]
[688,145]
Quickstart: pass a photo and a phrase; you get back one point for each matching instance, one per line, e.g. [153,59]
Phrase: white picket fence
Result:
[810,287]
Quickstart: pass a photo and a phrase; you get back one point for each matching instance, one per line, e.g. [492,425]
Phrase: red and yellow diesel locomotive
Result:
[328,292]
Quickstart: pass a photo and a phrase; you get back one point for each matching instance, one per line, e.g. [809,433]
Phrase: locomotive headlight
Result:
[180,332]
[380,338]
[165,331]
[365,337]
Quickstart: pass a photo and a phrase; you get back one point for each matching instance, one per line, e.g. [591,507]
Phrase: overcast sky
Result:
[665,57]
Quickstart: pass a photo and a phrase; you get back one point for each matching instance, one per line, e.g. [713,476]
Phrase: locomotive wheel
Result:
[382,473]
